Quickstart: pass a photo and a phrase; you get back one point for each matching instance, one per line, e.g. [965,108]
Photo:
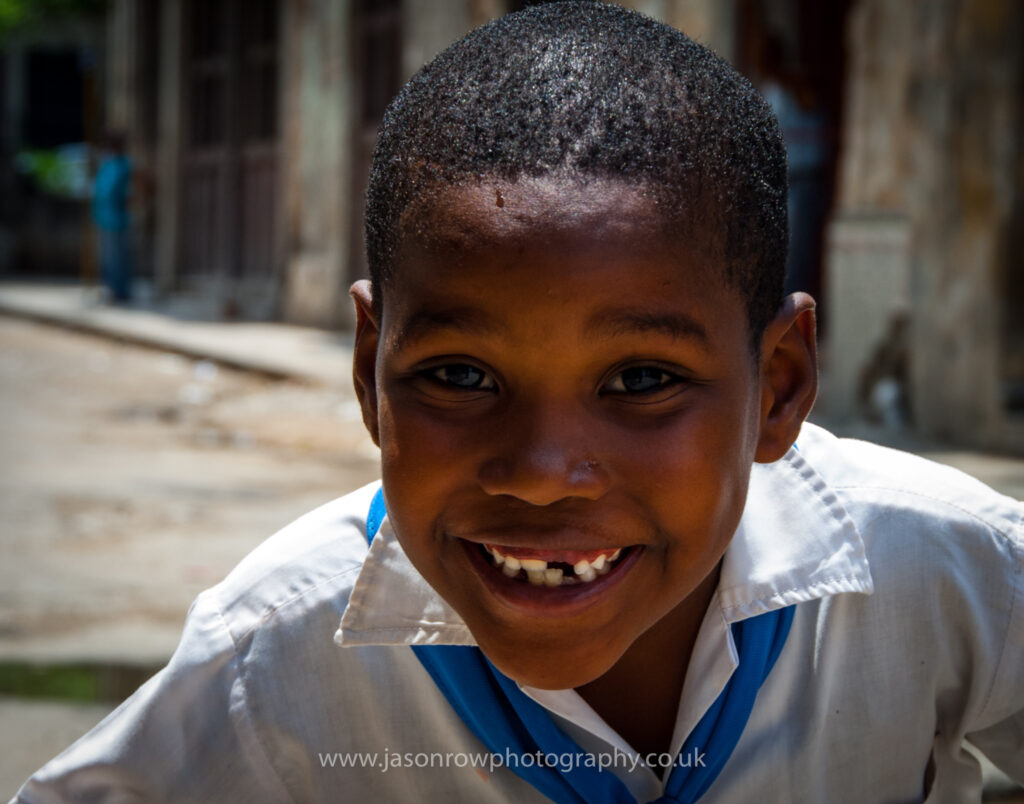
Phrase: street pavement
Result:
[135,477]
[132,479]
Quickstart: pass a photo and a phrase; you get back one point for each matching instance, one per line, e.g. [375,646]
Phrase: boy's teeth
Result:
[539,573]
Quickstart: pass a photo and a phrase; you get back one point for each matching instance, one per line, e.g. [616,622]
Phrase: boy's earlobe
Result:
[364,356]
[789,376]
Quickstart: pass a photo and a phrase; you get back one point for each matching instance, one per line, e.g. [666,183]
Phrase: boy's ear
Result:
[789,376]
[364,357]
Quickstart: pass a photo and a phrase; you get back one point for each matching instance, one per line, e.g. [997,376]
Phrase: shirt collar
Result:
[795,542]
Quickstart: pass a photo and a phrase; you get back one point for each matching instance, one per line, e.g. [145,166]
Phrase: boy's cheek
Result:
[413,437]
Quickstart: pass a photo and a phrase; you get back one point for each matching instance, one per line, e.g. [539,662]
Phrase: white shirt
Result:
[908,639]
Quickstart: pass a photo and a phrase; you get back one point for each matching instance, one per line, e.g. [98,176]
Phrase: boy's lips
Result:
[535,589]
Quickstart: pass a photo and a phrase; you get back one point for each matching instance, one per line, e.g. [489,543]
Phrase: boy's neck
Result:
[639,695]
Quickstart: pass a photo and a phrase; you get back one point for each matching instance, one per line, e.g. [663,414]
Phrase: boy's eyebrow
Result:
[607,323]
[678,326]
[460,319]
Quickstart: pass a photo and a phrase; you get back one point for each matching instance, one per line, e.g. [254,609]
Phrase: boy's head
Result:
[589,90]
[576,228]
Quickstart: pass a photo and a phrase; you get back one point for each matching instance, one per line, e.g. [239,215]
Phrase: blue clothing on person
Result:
[110,193]
[110,212]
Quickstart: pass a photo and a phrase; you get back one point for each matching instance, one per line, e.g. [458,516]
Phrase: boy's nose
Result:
[544,457]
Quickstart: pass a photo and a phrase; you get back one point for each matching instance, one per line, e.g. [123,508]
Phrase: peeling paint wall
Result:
[933,133]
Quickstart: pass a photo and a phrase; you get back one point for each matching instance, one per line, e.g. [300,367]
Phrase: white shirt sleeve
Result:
[185,735]
[1001,735]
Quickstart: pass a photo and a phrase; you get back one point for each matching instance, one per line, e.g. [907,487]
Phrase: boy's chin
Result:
[559,668]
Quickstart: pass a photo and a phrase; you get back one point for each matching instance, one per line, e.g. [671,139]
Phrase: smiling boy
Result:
[558,379]
[594,530]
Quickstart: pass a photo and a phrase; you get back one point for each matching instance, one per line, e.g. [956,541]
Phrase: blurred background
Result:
[180,218]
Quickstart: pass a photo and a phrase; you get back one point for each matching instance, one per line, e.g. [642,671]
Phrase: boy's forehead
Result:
[479,213]
[592,243]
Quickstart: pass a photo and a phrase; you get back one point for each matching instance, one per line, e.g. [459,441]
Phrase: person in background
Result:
[111,194]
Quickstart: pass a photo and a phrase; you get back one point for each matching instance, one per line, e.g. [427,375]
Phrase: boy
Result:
[575,358]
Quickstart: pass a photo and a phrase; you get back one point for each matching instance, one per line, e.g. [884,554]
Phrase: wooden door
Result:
[378,54]
[229,160]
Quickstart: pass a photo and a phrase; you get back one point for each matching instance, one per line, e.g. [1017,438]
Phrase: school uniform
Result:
[294,680]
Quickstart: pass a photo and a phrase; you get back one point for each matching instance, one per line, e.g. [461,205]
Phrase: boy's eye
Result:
[639,380]
[462,375]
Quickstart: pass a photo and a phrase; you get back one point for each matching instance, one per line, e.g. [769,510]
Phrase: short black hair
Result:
[590,89]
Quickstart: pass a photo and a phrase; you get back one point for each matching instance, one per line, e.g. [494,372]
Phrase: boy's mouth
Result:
[550,582]
[551,569]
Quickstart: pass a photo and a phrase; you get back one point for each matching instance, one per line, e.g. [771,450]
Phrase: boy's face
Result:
[554,379]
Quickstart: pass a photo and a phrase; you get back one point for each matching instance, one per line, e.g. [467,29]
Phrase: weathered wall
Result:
[932,131]
[316,160]
[965,115]
[876,138]
[868,291]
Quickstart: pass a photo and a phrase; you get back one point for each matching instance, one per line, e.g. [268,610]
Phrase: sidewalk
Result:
[66,684]
[275,350]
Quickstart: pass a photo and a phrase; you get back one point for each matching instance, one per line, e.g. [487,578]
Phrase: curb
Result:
[275,351]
